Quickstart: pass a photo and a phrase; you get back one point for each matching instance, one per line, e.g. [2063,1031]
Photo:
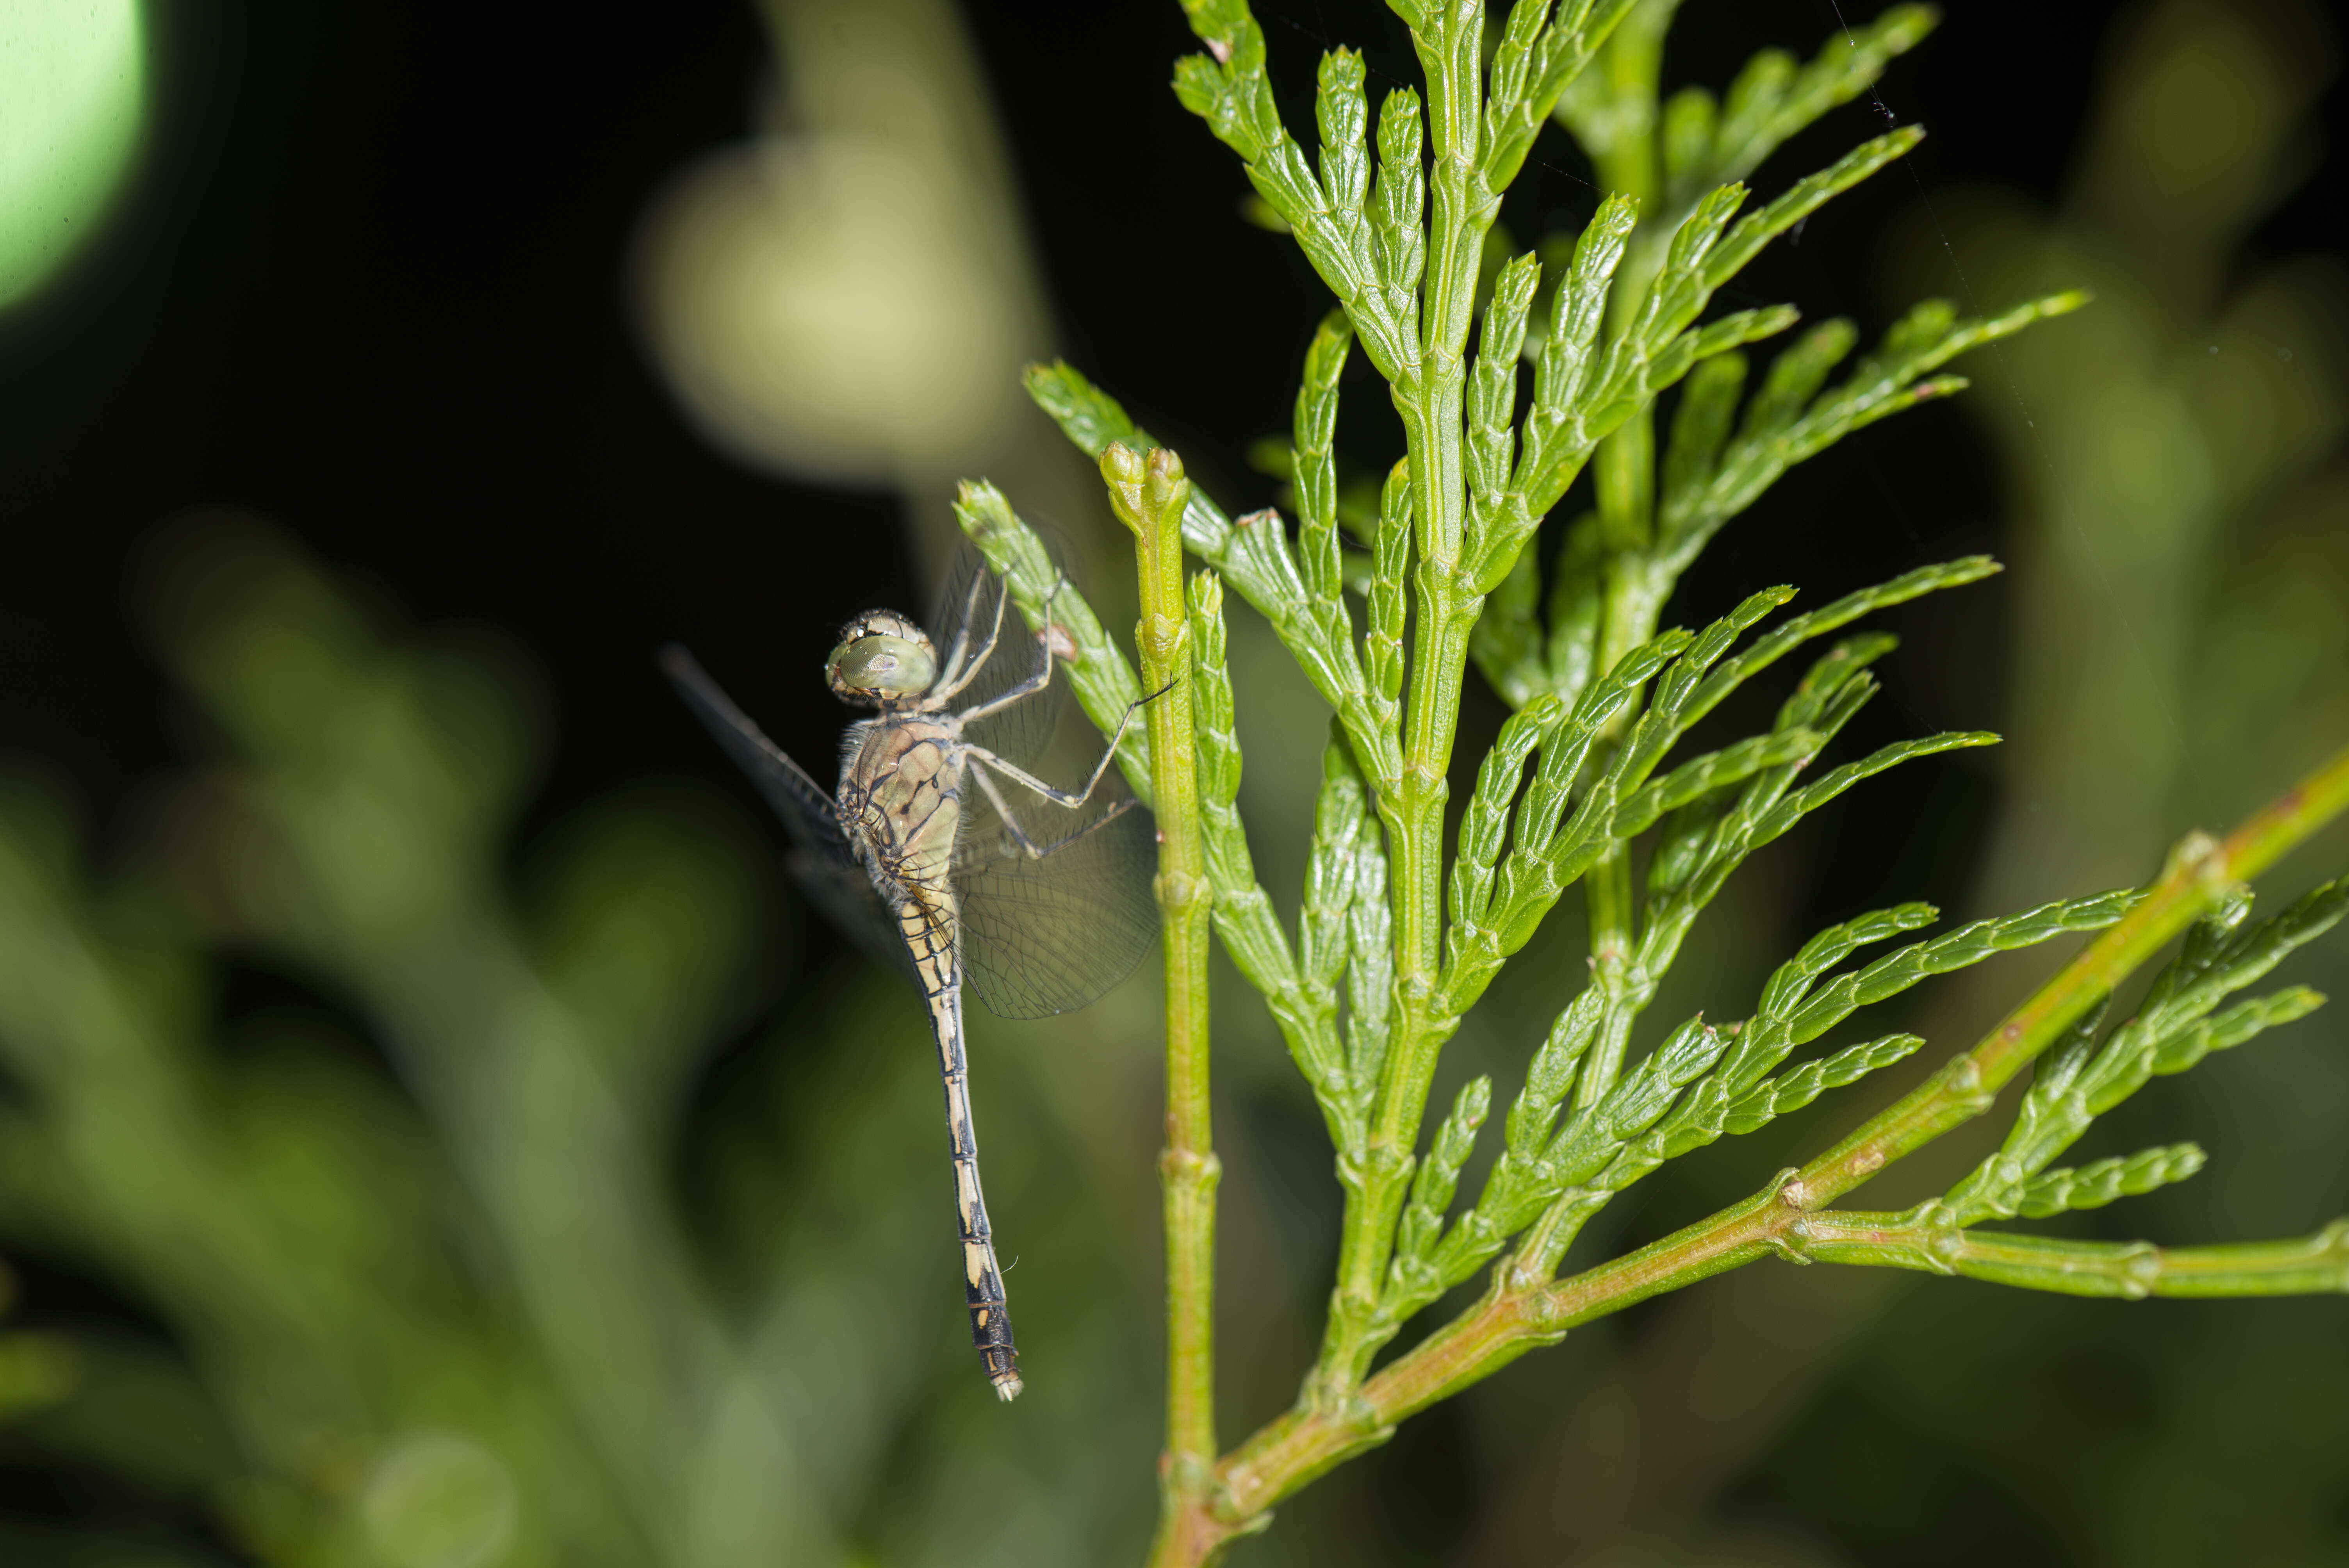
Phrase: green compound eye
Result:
[882,665]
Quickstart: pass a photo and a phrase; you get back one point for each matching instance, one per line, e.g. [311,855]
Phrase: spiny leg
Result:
[957,679]
[1033,683]
[990,1317]
[1027,846]
[947,671]
[1020,693]
[1072,799]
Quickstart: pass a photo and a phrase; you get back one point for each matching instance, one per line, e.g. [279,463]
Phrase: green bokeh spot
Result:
[73,90]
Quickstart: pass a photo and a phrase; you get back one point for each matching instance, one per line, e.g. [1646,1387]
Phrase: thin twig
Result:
[1148,495]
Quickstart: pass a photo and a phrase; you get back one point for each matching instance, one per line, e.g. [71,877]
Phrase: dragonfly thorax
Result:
[900,803]
[882,659]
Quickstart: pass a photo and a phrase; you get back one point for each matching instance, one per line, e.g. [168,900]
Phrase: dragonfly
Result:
[946,856]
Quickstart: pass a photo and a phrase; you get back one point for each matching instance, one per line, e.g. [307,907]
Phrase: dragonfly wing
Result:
[820,861]
[1047,934]
[845,898]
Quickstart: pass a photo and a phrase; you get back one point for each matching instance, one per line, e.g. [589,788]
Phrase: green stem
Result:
[1608,898]
[1623,481]
[1148,496]
[1925,1239]
[1631,605]
[1429,399]
[1428,396]
[1624,467]
[1513,1318]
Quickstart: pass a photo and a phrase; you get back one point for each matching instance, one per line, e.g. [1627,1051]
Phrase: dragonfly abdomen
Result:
[991,1316]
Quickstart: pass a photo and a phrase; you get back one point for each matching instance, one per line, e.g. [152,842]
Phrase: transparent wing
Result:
[1044,934]
[820,860]
[843,895]
[968,612]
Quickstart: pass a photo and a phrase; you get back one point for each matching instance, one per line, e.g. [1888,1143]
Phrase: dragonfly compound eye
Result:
[879,664]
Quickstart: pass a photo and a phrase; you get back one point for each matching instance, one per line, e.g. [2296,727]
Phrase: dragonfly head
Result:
[883,658]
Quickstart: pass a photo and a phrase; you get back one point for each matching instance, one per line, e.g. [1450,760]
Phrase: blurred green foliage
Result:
[459,1258]
[2177,521]
[2180,507]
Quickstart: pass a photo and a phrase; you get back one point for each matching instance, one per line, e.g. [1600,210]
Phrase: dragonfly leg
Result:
[1020,693]
[956,676]
[1033,683]
[1070,799]
[1027,846]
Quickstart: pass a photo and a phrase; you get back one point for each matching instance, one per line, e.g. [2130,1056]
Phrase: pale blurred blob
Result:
[846,296]
[73,95]
[439,1499]
[808,312]
[35,1369]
